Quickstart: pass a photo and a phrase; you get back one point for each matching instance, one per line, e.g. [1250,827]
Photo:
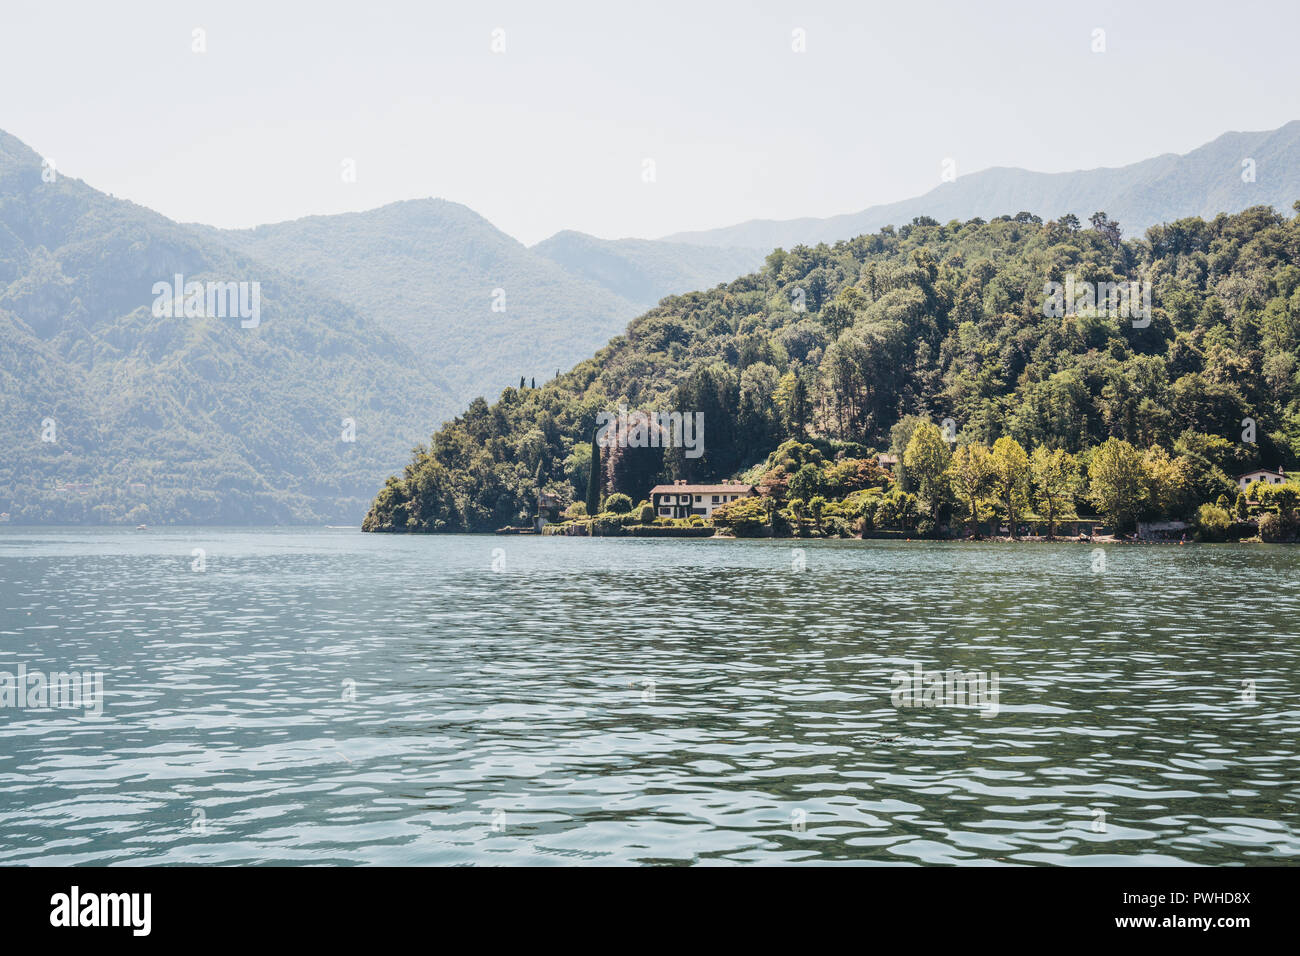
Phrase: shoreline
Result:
[656,531]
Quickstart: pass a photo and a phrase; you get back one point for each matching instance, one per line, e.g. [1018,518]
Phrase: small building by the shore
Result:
[1162,530]
[548,510]
[682,500]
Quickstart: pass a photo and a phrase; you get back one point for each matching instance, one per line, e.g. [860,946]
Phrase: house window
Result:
[715,499]
[665,511]
[701,498]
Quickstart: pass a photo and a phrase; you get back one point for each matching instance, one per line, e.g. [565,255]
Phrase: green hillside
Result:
[179,419]
[428,270]
[929,320]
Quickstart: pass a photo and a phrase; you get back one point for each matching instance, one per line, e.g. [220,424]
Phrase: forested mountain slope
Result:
[941,321]
[475,304]
[166,419]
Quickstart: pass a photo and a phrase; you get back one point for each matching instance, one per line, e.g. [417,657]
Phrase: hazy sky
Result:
[553,132]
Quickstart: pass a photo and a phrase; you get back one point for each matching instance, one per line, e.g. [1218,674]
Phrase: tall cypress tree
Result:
[799,408]
[593,482]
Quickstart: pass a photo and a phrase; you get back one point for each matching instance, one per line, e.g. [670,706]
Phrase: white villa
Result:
[1267,475]
[681,500]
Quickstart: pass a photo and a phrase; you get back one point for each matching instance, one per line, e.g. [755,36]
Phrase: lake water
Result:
[332,697]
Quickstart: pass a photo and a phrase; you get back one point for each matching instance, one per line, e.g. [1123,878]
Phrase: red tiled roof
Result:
[701,489]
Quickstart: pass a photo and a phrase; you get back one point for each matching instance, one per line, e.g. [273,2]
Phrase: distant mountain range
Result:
[111,413]
[1204,182]
[374,328]
[386,319]
[476,304]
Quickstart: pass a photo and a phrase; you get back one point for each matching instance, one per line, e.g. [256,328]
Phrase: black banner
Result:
[332,906]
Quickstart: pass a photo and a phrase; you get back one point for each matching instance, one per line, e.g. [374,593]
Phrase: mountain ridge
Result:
[959,200]
[111,413]
[451,286]
[382,316]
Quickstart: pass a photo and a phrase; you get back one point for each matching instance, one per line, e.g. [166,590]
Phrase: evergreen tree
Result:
[593,481]
[799,407]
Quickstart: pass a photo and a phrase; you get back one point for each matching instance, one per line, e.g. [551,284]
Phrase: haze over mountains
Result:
[1204,182]
[109,413]
[375,325]
[385,318]
[480,306]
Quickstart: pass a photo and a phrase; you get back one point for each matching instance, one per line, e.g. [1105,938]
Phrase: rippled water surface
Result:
[333,697]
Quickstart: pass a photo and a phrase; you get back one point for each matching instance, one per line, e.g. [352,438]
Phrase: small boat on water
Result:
[142,527]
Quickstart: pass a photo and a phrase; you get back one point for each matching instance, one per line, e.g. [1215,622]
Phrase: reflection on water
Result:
[332,697]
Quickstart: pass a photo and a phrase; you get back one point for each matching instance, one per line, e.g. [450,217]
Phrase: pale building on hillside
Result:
[681,500]
[1266,475]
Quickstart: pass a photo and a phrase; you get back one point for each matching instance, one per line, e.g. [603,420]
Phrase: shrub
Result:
[816,508]
[576,510]
[1278,527]
[1261,492]
[1286,497]
[646,513]
[836,528]
[744,515]
[1212,523]
[867,512]
[806,482]
[618,503]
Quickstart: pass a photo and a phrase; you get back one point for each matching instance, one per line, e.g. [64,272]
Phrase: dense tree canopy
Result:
[926,322]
